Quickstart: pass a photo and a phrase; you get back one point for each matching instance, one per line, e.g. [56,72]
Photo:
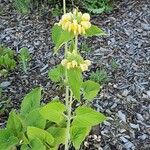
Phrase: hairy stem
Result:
[67,101]
[68,122]
[24,66]
[76,43]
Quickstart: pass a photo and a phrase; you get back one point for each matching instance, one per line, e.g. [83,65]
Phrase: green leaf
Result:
[7,140]
[90,89]
[22,6]
[34,144]
[56,74]
[53,112]
[41,134]
[60,36]
[94,31]
[24,54]
[34,118]
[14,124]
[87,117]
[31,101]
[75,81]
[78,134]
[59,135]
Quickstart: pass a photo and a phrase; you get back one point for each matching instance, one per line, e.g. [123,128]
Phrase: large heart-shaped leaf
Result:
[90,89]
[53,111]
[75,81]
[31,101]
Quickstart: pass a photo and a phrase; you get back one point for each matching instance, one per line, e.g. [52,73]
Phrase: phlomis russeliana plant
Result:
[58,124]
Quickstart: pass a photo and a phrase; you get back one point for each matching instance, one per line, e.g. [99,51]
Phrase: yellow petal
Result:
[82,30]
[66,17]
[69,65]
[64,62]
[79,29]
[74,64]
[70,27]
[83,67]
[85,17]
[85,24]
[87,62]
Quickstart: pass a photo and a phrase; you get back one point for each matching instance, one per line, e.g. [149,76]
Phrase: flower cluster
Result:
[75,22]
[76,62]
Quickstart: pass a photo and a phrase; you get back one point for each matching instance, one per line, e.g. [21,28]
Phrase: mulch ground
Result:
[125,99]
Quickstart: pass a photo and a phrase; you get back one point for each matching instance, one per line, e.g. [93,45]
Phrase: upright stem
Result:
[67,101]
[64,6]
[76,43]
[68,122]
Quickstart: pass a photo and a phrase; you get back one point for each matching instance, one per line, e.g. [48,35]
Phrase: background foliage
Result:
[94,6]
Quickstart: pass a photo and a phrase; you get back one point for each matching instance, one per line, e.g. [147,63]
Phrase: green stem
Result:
[24,66]
[68,122]
[68,103]
[76,43]
[64,6]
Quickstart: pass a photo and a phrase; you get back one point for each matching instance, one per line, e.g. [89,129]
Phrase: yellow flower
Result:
[74,64]
[79,29]
[87,62]
[75,22]
[66,25]
[69,65]
[64,62]
[83,67]
[66,17]
[85,24]
[82,30]
[85,17]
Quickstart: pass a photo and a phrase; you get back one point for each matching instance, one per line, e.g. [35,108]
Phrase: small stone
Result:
[140,117]
[122,116]
[146,27]
[5,84]
[125,93]
[134,126]
[148,93]
[139,30]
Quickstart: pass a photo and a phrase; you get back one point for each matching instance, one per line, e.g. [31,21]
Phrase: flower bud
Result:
[87,62]
[79,29]
[64,62]
[74,64]
[85,17]
[85,24]
[69,65]
[83,67]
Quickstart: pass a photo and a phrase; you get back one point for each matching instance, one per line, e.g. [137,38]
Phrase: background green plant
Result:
[24,58]
[100,76]
[94,6]
[7,61]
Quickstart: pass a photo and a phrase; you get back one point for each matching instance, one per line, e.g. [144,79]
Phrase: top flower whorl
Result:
[75,22]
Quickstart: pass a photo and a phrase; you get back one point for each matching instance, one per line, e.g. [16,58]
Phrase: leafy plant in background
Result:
[100,76]
[114,65]
[98,6]
[5,102]
[22,6]
[85,47]
[94,6]
[7,61]
[24,58]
